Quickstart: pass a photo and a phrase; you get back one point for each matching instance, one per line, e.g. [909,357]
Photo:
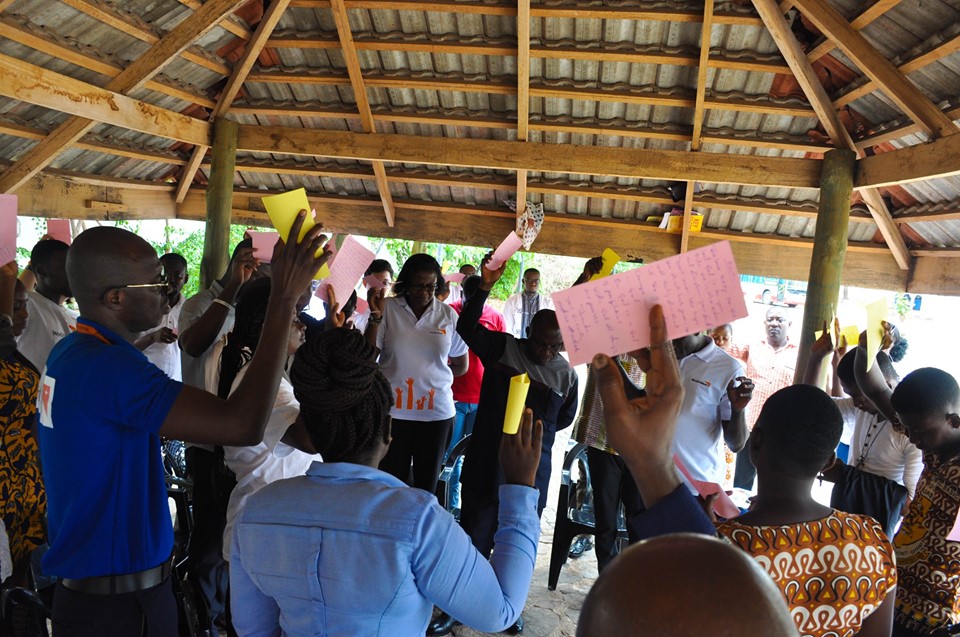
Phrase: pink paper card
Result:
[698,289]
[59,229]
[454,277]
[353,259]
[362,306]
[263,243]
[723,505]
[954,534]
[8,229]
[507,248]
[373,283]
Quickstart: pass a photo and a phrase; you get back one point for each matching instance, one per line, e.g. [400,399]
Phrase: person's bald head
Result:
[682,585]
[102,265]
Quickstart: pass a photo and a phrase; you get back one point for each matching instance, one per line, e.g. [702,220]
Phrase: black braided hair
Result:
[243,339]
[344,399]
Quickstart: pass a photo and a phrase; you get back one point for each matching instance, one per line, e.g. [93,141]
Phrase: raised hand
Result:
[490,277]
[295,263]
[642,430]
[823,346]
[375,299]
[592,267]
[520,452]
[335,317]
[163,335]
[244,265]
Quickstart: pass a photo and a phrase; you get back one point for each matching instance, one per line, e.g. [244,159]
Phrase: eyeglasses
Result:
[160,286]
[417,287]
[549,347]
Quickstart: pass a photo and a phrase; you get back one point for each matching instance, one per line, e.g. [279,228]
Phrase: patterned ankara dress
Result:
[928,564]
[23,501]
[833,572]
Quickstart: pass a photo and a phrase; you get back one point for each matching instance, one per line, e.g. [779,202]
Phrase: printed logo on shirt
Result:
[46,401]
[440,330]
[705,383]
[422,402]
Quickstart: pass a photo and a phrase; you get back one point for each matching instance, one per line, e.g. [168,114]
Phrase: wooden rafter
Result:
[893,83]
[505,155]
[567,10]
[936,159]
[131,78]
[103,13]
[342,19]
[457,46]
[545,125]
[938,52]
[241,69]
[523,93]
[699,115]
[806,76]
[890,132]
[646,95]
[231,24]
[865,18]
[5,4]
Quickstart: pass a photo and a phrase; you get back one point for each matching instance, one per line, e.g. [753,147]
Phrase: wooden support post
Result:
[829,249]
[216,240]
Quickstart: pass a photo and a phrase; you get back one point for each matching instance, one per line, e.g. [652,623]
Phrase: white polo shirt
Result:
[413,357]
[166,356]
[258,465]
[699,440]
[47,323]
[885,451]
[190,311]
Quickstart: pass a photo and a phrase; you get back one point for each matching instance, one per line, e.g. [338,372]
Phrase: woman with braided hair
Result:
[281,453]
[351,550]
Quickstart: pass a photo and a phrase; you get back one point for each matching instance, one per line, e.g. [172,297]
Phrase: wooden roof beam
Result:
[918,62]
[506,155]
[806,76]
[933,160]
[231,24]
[893,133]
[866,17]
[896,86]
[241,69]
[342,19]
[52,88]
[523,93]
[37,39]
[103,13]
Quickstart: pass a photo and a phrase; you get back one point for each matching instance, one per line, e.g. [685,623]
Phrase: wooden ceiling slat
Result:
[104,14]
[867,16]
[894,84]
[937,53]
[11,30]
[506,155]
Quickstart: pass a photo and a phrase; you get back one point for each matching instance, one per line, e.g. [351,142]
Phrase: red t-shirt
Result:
[466,388]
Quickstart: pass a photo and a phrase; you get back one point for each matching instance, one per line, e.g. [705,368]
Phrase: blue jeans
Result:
[462,426]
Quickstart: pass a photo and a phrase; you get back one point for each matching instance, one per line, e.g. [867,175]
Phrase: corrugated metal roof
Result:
[909,29]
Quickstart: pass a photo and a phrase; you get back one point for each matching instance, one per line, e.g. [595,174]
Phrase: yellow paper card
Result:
[876,312]
[851,332]
[283,208]
[516,401]
[610,260]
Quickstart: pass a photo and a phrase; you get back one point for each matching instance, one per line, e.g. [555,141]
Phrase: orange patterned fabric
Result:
[833,572]
[928,564]
[23,501]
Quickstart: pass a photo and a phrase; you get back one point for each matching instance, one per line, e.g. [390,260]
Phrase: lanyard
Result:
[83,328]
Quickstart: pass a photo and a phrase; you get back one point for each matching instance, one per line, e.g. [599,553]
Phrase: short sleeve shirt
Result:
[47,325]
[193,309]
[413,357]
[705,376]
[100,407]
[166,356]
[833,572]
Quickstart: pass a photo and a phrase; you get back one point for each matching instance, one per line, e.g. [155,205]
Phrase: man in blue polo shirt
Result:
[103,407]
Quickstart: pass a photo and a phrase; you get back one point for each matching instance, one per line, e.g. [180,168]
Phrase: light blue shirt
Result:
[350,550]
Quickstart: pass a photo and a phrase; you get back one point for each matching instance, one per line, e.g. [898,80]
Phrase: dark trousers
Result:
[612,483]
[148,613]
[211,492]
[745,473]
[423,444]
[479,517]
[902,631]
